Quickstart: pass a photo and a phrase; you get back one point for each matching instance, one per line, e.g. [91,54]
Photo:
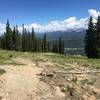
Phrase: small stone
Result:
[50,75]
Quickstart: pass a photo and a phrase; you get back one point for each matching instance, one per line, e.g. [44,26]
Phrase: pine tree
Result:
[24,36]
[48,46]
[0,41]
[14,38]
[18,40]
[33,40]
[3,41]
[55,48]
[29,42]
[61,46]
[98,38]
[38,45]
[90,39]
[9,44]
[45,43]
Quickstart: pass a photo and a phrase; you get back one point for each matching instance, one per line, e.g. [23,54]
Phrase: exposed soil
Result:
[21,82]
[44,81]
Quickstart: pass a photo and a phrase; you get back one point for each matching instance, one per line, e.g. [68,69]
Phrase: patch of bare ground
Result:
[80,83]
[22,82]
[19,82]
[41,79]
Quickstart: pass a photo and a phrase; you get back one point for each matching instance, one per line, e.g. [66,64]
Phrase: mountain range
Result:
[73,39]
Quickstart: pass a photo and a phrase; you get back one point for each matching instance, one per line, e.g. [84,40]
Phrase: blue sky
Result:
[42,11]
[48,15]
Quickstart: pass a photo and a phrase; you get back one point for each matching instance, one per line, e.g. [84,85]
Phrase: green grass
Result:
[63,61]
[7,56]
[89,82]
[2,71]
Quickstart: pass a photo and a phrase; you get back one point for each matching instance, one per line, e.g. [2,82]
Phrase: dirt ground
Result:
[45,81]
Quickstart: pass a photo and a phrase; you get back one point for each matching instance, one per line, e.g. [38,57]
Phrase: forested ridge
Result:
[27,41]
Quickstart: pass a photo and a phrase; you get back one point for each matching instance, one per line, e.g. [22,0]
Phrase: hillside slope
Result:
[37,76]
[73,39]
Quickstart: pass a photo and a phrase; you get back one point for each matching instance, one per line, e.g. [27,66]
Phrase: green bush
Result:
[2,71]
[10,55]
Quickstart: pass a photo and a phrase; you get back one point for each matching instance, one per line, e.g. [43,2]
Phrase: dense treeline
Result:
[12,39]
[92,39]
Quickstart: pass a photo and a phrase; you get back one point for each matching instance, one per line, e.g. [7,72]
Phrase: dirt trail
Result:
[38,80]
[21,82]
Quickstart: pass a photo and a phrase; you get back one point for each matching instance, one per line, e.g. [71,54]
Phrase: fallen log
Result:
[46,74]
[77,72]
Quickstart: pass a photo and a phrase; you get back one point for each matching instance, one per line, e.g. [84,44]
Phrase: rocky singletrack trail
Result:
[49,77]
[22,82]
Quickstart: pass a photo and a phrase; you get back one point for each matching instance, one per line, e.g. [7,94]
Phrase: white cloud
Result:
[71,23]
[66,25]
[93,13]
[2,27]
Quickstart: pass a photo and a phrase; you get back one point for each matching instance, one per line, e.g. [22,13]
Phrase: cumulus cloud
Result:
[2,27]
[68,24]
[93,13]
